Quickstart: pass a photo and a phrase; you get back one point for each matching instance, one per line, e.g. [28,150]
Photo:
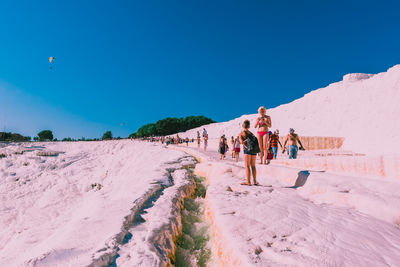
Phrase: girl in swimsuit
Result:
[237,148]
[249,158]
[263,122]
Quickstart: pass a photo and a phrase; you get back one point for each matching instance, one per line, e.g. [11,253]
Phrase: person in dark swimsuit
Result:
[222,147]
[249,159]
[263,123]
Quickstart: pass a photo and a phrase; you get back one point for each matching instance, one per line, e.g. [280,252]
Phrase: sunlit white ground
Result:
[300,217]
[51,215]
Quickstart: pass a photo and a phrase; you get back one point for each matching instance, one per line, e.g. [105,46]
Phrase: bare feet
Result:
[246,183]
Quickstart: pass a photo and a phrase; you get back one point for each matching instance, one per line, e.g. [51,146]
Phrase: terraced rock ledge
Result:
[163,244]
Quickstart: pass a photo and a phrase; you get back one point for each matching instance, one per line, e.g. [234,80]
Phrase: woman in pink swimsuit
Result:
[263,123]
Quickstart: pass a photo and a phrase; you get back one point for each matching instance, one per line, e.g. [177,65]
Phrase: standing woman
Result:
[233,146]
[222,147]
[250,150]
[226,146]
[263,123]
[237,148]
[205,141]
[198,139]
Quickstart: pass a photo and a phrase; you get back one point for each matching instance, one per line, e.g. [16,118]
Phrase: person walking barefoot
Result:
[205,142]
[263,122]
[237,148]
[274,141]
[250,149]
[293,139]
[198,139]
[226,146]
[222,147]
[233,146]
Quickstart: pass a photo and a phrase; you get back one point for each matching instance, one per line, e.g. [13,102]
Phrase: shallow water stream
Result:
[192,245]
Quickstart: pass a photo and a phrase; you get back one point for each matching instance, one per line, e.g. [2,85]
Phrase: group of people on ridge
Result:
[205,138]
[263,143]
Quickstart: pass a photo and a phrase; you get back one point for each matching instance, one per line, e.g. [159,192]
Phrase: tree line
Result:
[169,126]
[13,137]
[47,135]
[162,127]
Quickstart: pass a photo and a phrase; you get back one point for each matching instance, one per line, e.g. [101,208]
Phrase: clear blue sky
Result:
[136,62]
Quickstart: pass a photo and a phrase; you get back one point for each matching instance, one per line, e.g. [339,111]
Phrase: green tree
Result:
[13,137]
[45,135]
[169,126]
[107,135]
[146,130]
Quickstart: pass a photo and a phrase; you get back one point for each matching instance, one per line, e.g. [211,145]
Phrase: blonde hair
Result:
[261,108]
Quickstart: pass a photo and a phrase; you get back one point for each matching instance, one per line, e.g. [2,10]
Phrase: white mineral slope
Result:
[299,218]
[140,250]
[363,108]
[49,213]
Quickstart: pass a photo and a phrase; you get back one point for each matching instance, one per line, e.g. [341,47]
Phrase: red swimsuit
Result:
[261,123]
[262,133]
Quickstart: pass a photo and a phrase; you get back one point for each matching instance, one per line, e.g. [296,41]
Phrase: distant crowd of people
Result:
[170,140]
[176,140]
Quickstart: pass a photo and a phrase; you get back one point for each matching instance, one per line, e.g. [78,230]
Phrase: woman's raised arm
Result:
[269,121]
[255,125]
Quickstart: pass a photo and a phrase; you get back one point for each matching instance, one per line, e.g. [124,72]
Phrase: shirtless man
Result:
[293,138]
